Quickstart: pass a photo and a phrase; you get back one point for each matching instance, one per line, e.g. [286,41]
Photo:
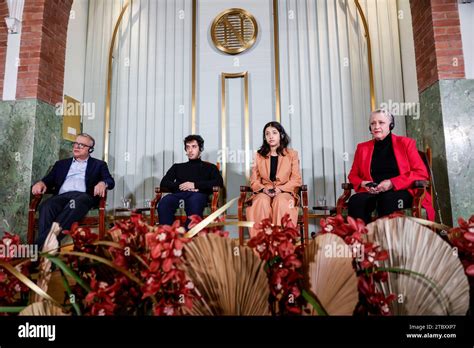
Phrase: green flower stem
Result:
[11,309]
[315,303]
[69,292]
[67,270]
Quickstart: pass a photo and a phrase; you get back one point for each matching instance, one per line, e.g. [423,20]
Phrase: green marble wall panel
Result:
[29,145]
[65,149]
[446,126]
[428,130]
[457,100]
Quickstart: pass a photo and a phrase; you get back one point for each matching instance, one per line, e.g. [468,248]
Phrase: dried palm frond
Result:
[230,278]
[328,260]
[51,247]
[439,286]
[42,308]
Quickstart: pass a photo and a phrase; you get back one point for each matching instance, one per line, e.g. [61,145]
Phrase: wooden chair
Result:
[302,215]
[89,220]
[212,204]
[420,187]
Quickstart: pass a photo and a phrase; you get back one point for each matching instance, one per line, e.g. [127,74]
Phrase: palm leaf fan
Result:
[230,278]
[42,308]
[441,289]
[50,246]
[328,261]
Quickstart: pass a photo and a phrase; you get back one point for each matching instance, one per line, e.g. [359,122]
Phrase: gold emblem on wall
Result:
[234,31]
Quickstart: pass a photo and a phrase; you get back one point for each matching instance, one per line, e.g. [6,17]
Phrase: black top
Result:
[273,167]
[204,175]
[384,164]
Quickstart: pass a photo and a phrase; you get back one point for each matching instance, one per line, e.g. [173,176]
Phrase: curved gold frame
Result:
[245,45]
[369,56]
[225,76]
[276,45]
[109,83]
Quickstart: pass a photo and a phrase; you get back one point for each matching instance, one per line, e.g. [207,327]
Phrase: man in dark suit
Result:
[191,182]
[77,183]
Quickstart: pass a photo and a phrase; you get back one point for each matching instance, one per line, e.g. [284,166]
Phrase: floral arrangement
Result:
[138,270]
[280,247]
[147,277]
[371,301]
[462,237]
[12,291]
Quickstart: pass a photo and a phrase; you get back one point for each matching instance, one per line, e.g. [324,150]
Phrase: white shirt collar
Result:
[79,161]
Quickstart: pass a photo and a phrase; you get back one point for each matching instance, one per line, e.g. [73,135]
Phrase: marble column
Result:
[30,134]
[446,125]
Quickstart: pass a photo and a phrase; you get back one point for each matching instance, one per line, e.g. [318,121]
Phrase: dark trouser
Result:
[65,209]
[361,205]
[194,204]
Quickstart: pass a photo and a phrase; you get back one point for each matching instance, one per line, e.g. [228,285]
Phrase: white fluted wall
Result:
[324,85]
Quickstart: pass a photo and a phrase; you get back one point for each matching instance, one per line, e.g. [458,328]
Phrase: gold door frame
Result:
[224,77]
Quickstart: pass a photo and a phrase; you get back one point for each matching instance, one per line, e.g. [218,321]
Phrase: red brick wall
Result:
[43,50]
[3,42]
[438,43]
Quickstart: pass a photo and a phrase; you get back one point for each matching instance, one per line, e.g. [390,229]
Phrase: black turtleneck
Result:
[204,175]
[384,164]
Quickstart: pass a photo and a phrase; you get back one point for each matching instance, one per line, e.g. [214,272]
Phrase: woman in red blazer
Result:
[384,170]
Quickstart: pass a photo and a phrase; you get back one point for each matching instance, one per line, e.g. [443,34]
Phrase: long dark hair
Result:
[284,140]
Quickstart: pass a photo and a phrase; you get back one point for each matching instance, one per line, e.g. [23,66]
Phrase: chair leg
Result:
[101,224]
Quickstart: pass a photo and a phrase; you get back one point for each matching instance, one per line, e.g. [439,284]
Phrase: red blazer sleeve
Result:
[355,175]
[417,169]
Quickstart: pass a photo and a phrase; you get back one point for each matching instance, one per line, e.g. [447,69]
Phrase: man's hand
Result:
[384,186]
[39,188]
[187,186]
[99,189]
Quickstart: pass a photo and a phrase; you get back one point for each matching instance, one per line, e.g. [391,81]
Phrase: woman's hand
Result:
[384,186]
[372,190]
[269,193]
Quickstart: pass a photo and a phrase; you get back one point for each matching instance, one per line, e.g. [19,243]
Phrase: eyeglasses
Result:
[79,145]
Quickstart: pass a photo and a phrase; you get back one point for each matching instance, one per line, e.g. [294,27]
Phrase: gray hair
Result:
[85,135]
[384,112]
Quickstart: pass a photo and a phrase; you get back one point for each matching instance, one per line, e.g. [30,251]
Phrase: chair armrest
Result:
[245,189]
[35,200]
[342,200]
[159,189]
[215,198]
[103,201]
[154,203]
[347,186]
[421,184]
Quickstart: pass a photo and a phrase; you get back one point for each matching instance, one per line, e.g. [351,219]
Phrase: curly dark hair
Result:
[284,140]
[193,137]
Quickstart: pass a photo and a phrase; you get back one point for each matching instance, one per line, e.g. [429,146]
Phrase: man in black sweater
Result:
[191,182]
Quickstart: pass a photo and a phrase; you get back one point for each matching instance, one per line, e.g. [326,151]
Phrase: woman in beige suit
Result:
[275,178]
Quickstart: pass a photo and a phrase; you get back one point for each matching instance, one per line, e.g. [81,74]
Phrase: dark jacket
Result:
[96,171]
